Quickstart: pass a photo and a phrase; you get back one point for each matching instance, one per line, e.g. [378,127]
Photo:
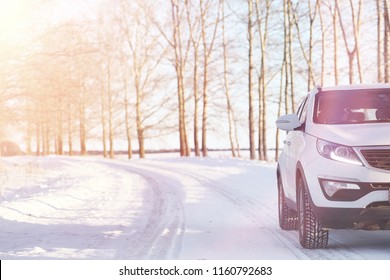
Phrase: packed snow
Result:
[158,208]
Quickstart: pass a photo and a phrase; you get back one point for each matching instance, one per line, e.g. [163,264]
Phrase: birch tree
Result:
[386,41]
[233,135]
[208,44]
[251,117]
[195,37]
[180,58]
[262,24]
[352,52]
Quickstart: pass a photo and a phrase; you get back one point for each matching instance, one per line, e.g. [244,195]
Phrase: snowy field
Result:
[158,208]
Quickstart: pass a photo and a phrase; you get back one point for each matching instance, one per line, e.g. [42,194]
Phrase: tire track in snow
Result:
[243,205]
[162,234]
[287,238]
[259,213]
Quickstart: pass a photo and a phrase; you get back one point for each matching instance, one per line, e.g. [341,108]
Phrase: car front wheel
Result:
[311,234]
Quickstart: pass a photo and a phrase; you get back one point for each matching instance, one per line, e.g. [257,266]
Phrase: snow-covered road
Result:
[161,208]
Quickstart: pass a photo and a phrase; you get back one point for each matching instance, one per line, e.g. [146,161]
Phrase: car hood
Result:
[369,134]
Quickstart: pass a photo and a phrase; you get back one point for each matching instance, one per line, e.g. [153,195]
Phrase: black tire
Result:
[311,234]
[288,218]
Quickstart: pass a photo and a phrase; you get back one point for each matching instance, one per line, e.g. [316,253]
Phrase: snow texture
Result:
[160,208]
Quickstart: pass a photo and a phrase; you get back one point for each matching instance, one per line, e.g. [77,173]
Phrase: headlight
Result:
[337,152]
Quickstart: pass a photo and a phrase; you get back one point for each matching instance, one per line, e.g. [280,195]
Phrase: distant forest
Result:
[123,75]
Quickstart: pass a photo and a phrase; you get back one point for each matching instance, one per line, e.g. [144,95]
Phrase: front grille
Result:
[378,158]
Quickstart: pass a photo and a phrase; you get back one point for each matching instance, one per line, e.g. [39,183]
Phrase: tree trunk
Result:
[196,105]
[59,140]
[207,50]
[38,136]
[310,73]
[290,54]
[179,68]
[379,41]
[229,108]
[262,86]
[83,146]
[355,51]
[322,42]
[70,127]
[356,31]
[335,47]
[251,120]
[195,46]
[103,119]
[280,102]
[140,130]
[285,58]
[127,122]
[110,118]
[386,39]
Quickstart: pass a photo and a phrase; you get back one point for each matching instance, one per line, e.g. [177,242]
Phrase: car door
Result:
[294,145]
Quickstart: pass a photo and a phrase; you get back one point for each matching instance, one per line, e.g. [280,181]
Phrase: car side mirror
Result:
[288,122]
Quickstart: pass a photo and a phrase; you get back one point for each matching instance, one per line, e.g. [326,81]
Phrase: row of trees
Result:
[128,74]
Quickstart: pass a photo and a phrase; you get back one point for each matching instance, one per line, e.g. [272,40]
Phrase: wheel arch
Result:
[300,173]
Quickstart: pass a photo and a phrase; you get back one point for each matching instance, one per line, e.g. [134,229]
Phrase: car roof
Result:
[355,87]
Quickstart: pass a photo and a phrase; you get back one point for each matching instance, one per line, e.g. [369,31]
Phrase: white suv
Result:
[334,170]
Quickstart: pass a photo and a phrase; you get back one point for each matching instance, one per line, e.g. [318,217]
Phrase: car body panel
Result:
[353,135]
[300,157]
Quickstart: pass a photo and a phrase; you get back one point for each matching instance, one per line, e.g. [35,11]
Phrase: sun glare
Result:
[11,12]
[12,15]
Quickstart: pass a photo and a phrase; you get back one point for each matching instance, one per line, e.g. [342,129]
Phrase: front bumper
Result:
[367,208]
[374,184]
[375,217]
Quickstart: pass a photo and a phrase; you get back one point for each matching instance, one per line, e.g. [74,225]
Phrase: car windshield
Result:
[353,106]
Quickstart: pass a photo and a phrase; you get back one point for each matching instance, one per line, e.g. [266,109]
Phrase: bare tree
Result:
[103,116]
[208,45]
[138,62]
[284,73]
[352,52]
[290,18]
[335,46]
[262,85]
[280,104]
[288,22]
[308,55]
[323,34]
[145,59]
[379,40]
[195,37]
[233,137]
[386,42]
[252,148]
[179,64]
[126,105]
